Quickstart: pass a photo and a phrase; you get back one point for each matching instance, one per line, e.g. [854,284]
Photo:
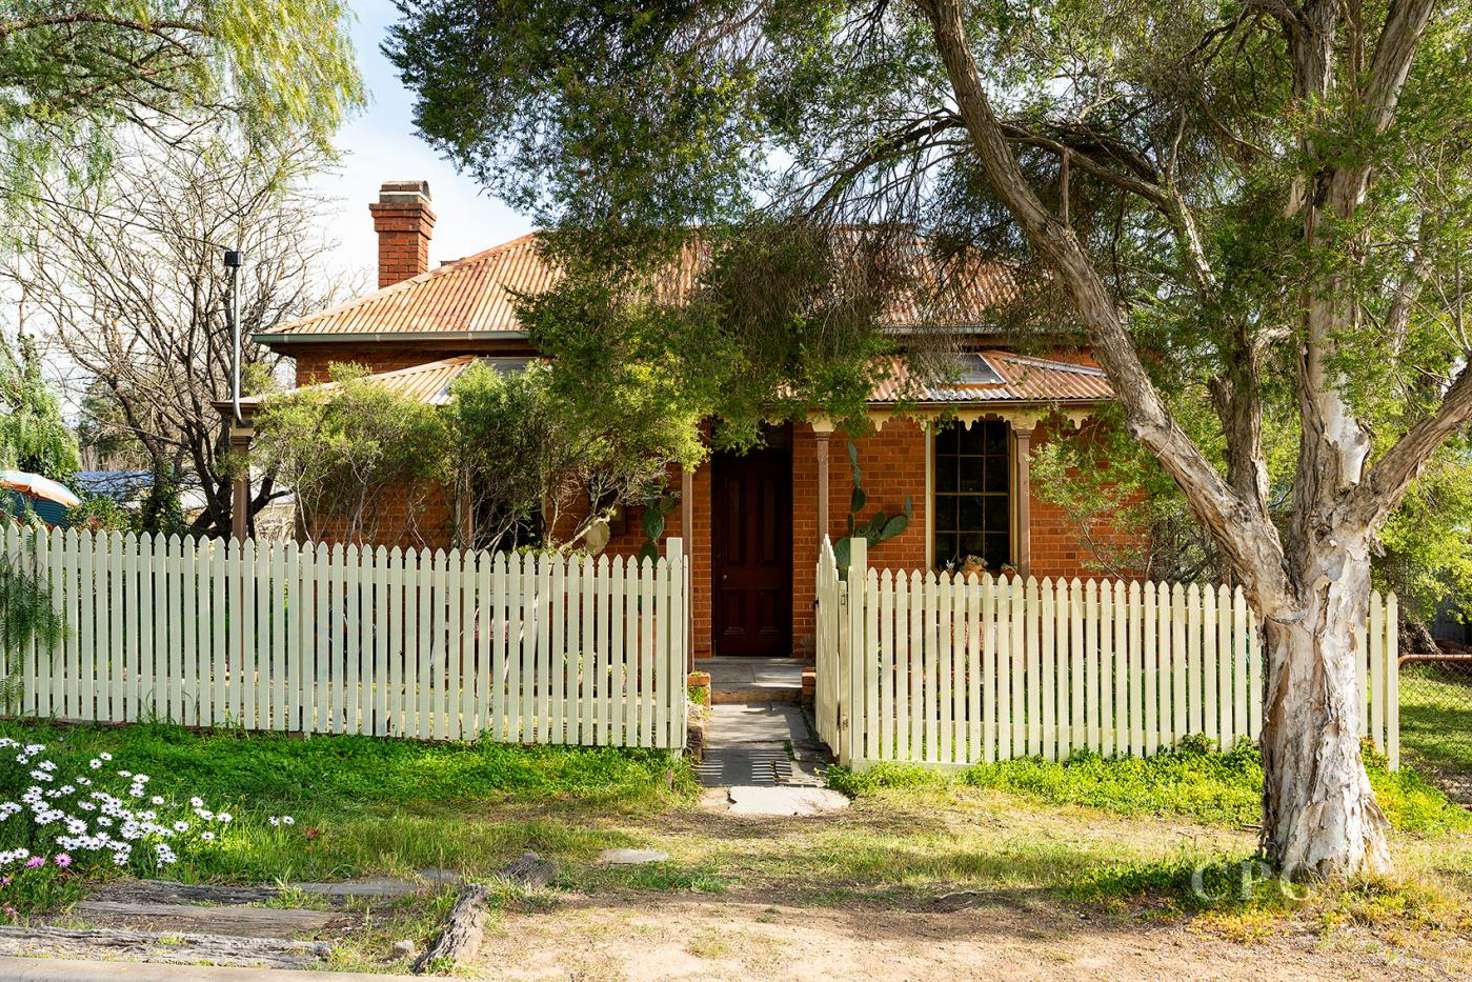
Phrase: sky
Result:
[380,145]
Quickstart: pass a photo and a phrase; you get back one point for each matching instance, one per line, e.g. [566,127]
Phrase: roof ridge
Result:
[443,269]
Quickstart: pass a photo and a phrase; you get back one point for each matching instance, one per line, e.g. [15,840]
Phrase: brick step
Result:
[752,695]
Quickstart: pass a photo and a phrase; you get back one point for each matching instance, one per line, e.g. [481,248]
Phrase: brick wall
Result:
[893,465]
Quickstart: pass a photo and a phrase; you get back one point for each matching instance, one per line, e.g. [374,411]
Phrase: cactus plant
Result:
[880,527]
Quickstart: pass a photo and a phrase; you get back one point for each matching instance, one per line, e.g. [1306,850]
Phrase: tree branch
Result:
[1374,498]
[1252,543]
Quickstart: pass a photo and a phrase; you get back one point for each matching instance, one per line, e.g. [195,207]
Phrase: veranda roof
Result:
[992,376]
[428,383]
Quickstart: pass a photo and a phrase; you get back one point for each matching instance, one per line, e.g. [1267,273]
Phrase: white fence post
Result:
[858,649]
[928,668]
[270,636]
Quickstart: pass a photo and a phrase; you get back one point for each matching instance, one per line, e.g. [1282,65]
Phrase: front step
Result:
[738,681]
[753,695]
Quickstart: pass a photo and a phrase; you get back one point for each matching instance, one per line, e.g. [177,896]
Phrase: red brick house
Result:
[753,523]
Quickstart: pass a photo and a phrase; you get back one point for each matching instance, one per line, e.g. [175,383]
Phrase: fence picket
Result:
[902,605]
[1376,655]
[1044,675]
[872,710]
[1211,701]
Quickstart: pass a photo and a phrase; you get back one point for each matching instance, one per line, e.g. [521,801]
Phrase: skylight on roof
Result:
[976,370]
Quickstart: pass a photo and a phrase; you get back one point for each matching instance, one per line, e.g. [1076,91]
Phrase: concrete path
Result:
[762,745]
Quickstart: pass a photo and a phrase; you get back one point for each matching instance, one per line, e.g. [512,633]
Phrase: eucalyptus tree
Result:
[1262,202]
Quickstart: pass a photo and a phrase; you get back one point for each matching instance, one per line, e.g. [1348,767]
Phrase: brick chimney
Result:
[404,223]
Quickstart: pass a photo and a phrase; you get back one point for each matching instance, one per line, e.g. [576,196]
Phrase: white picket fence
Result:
[431,645]
[936,669]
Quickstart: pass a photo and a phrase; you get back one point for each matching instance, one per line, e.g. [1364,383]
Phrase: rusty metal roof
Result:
[474,297]
[1019,378]
[983,377]
[468,297]
[428,383]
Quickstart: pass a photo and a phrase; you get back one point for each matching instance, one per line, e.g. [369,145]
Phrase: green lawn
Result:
[1115,838]
[367,805]
[1436,719]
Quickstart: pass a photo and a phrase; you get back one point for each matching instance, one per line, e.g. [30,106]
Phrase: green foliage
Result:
[26,616]
[352,451]
[73,74]
[529,451]
[522,454]
[1191,779]
[1427,542]
[33,436]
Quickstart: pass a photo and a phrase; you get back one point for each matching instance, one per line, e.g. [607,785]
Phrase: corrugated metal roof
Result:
[1019,378]
[428,383]
[1023,378]
[475,296]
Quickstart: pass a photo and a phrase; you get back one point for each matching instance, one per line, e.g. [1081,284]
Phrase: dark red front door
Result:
[751,545]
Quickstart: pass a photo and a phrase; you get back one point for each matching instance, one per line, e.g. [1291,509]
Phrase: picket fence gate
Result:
[442,645]
[938,669]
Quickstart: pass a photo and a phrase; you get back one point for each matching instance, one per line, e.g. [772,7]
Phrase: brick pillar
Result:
[1022,436]
[404,223]
[240,440]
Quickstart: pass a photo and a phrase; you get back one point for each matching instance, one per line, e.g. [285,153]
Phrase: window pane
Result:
[997,551]
[996,514]
[971,468]
[945,474]
[968,516]
[973,439]
[945,514]
[996,475]
[974,544]
[945,439]
[996,438]
[945,549]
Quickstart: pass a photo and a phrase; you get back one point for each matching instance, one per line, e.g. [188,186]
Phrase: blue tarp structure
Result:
[49,499]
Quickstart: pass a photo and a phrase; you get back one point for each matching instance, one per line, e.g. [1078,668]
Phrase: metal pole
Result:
[232,313]
[239,432]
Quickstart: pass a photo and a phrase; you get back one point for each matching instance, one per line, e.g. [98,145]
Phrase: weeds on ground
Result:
[1192,779]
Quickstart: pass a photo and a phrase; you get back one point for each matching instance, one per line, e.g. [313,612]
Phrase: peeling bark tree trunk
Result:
[1320,817]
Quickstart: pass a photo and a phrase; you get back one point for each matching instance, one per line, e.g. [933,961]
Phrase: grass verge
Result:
[1191,781]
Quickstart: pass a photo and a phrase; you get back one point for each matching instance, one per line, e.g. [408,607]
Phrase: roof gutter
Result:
[388,337]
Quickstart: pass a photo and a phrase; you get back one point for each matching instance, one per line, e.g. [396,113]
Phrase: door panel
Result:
[751,545]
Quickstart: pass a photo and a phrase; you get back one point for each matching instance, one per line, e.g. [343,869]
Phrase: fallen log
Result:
[461,936]
[174,946]
[464,928]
